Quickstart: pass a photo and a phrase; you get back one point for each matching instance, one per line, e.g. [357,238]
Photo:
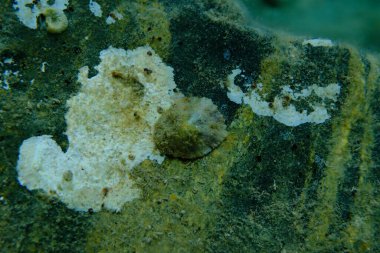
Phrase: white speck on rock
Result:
[110,20]
[113,17]
[95,8]
[43,66]
[8,60]
[318,42]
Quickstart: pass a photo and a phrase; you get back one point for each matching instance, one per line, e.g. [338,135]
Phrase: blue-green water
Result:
[355,22]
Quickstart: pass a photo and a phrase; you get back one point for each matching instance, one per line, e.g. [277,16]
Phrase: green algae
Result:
[178,206]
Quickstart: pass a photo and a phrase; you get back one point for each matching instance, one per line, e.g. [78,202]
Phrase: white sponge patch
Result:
[29,10]
[282,108]
[110,131]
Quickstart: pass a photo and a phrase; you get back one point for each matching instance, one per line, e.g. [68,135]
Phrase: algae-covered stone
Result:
[190,128]
[281,181]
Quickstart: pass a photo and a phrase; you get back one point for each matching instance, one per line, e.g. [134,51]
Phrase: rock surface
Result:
[191,128]
[268,187]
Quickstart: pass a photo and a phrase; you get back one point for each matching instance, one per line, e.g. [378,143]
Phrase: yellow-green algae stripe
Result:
[325,211]
[359,232]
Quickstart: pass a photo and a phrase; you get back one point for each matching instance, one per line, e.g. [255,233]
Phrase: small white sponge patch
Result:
[29,10]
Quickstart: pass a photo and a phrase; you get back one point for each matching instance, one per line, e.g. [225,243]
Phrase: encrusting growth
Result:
[190,128]
[28,12]
[56,20]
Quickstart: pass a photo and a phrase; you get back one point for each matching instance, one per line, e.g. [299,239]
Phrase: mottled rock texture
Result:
[267,188]
[191,128]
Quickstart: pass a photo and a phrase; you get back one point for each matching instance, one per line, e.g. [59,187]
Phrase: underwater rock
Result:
[282,181]
[190,128]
